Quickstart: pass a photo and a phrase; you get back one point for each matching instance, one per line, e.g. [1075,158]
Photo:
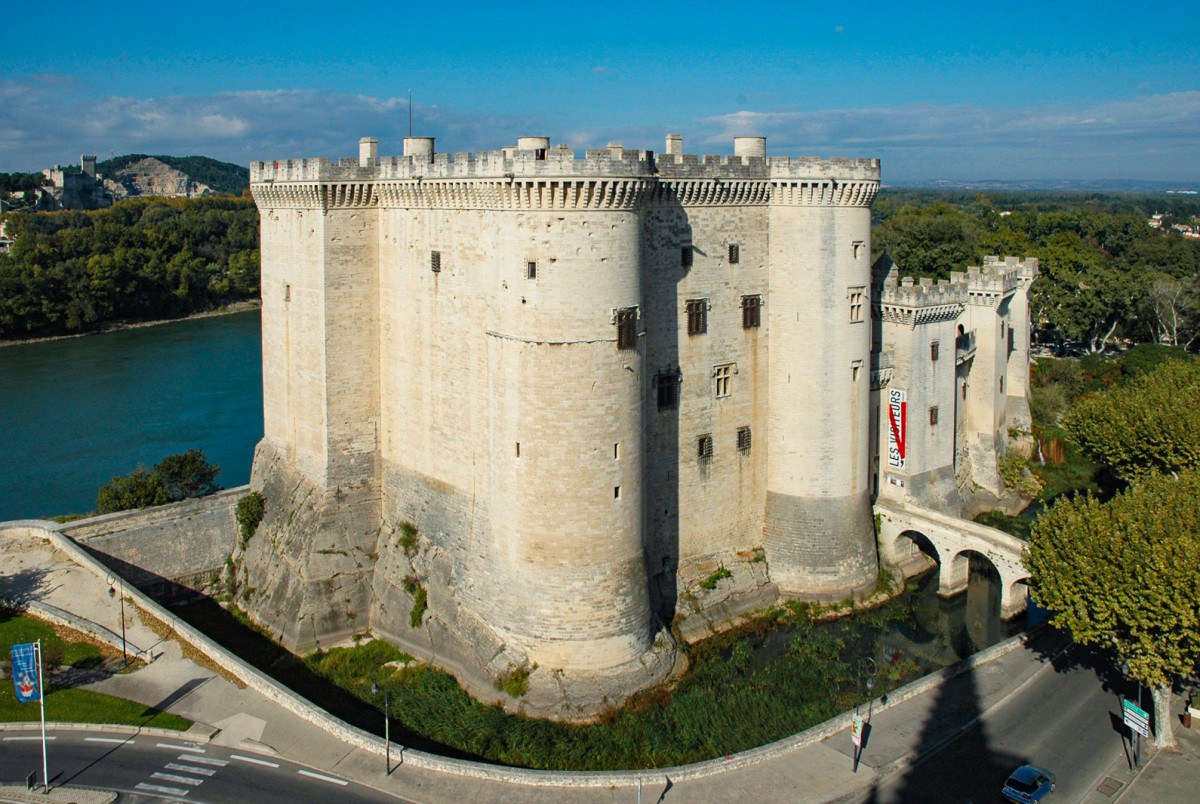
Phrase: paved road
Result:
[1062,721]
[147,768]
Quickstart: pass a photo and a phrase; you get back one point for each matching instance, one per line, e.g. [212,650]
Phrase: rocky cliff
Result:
[149,176]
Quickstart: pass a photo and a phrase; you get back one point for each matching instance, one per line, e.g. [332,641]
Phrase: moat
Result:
[771,678]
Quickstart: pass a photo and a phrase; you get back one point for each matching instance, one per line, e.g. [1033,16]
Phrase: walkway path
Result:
[923,714]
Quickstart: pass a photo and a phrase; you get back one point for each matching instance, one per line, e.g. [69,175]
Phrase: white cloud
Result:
[44,120]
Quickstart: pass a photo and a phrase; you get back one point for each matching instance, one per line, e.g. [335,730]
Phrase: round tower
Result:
[818,532]
[562,574]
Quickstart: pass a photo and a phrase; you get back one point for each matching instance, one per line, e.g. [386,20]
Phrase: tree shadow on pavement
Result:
[21,588]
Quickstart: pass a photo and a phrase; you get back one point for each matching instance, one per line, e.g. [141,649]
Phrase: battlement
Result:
[613,161]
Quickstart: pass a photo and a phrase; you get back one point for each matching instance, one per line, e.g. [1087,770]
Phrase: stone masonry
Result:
[553,395]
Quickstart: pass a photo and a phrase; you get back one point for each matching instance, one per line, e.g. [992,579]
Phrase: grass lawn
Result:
[64,648]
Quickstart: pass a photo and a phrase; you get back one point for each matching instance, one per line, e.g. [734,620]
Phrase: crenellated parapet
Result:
[555,179]
[996,280]
[921,302]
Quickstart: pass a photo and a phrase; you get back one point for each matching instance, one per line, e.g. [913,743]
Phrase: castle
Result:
[525,412]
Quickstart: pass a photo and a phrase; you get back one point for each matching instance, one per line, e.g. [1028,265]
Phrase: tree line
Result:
[141,259]
[1106,274]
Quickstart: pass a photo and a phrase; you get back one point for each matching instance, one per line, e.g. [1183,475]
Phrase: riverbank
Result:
[118,326]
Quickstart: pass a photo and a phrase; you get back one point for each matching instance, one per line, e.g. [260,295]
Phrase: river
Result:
[75,412]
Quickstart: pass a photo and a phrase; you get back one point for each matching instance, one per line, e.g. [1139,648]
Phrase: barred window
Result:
[627,328]
[435,261]
[933,351]
[685,256]
[933,414]
[735,253]
[704,447]
[531,270]
[751,311]
[666,386]
[722,376]
[697,316]
[743,439]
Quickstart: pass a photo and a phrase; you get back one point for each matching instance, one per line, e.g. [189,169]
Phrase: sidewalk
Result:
[929,713]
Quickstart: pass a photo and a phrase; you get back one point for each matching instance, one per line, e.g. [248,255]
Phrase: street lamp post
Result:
[114,578]
[867,668]
[387,737]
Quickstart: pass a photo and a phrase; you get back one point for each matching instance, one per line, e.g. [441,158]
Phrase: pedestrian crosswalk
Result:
[187,771]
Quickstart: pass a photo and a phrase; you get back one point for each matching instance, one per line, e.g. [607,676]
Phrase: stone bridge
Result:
[908,537]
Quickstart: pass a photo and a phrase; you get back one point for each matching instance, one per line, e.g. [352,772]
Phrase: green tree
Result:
[138,489]
[1122,574]
[1146,426]
[188,474]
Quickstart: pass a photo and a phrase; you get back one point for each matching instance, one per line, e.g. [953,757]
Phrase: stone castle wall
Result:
[441,353]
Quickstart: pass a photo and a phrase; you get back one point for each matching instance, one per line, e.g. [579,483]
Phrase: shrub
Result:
[408,538]
[710,583]
[250,511]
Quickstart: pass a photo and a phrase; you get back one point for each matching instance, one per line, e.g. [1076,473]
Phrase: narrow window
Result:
[539,154]
[964,390]
[616,451]
[856,248]
[704,447]
[855,295]
[1001,385]
[855,368]
[666,384]
[616,492]
[751,311]
[743,439]
[627,328]
[697,316]
[287,293]
[722,376]
[735,253]
[933,414]
[933,351]
[685,256]
[518,449]
[435,261]
[531,270]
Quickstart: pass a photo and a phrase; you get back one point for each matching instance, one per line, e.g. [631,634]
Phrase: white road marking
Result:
[323,778]
[255,760]
[172,777]
[17,739]
[190,769]
[123,741]
[220,763]
[178,747]
[155,788]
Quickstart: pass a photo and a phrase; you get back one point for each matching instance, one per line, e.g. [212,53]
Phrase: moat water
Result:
[77,411]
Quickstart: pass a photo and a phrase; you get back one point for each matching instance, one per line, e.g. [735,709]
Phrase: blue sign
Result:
[25,672]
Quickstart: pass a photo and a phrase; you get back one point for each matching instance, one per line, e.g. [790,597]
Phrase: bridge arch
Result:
[910,537]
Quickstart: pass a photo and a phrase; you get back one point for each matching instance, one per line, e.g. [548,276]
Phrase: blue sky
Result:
[1048,90]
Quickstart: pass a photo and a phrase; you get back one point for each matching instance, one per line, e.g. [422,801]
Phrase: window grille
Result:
[627,328]
[743,439]
[435,261]
[704,447]
[751,311]
[735,253]
[933,414]
[933,351]
[666,386]
[531,270]
[697,316]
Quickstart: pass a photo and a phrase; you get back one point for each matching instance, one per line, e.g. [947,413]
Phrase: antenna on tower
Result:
[410,114]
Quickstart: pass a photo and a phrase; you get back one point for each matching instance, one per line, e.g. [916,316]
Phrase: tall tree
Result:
[1148,425]
[1122,574]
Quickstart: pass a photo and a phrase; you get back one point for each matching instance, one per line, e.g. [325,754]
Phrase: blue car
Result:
[1028,783]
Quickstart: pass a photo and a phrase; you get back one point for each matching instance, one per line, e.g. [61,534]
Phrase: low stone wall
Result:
[184,543]
[275,692]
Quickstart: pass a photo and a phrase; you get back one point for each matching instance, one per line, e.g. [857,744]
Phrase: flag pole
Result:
[42,703]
